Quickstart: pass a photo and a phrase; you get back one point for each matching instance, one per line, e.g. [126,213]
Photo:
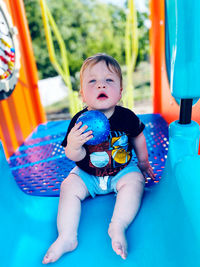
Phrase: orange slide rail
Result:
[21,112]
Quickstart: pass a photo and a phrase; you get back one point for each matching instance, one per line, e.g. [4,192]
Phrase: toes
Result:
[117,248]
[57,249]
[46,260]
[49,257]
[124,255]
[120,250]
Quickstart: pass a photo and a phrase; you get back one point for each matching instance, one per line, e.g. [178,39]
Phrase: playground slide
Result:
[164,233]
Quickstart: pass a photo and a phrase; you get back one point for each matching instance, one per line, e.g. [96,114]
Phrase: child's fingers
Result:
[77,126]
[78,129]
[86,136]
[81,130]
[151,174]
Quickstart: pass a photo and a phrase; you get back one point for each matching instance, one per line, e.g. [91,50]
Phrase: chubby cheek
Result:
[87,96]
[116,96]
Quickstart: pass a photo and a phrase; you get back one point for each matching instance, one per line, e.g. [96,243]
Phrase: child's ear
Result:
[121,89]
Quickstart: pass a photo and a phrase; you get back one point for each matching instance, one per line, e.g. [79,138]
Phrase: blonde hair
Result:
[111,63]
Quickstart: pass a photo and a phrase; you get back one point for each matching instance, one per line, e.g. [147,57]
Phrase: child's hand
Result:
[146,169]
[77,138]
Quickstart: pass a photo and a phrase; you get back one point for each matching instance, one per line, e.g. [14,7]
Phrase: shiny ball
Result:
[98,123]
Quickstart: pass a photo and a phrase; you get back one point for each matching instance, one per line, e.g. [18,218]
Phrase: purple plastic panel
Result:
[40,165]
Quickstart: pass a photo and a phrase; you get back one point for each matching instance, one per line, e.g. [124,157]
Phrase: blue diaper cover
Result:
[103,185]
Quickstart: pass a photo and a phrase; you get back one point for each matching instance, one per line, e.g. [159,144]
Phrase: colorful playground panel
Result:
[40,165]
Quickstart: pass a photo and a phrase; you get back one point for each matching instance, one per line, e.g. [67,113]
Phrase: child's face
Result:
[101,88]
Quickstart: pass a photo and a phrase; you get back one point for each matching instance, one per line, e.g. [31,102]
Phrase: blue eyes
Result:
[107,80]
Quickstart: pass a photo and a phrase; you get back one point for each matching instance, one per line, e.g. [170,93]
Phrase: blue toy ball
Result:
[98,123]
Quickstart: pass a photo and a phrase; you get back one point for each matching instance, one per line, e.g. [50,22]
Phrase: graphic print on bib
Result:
[110,156]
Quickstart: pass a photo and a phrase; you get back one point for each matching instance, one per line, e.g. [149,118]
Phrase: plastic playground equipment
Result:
[166,232]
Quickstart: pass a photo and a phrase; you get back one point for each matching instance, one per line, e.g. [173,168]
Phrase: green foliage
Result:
[87,27]
[143,35]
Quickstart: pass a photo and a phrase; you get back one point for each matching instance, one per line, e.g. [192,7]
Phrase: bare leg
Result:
[73,191]
[130,191]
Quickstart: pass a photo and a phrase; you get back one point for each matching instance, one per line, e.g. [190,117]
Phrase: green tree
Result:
[143,36]
[87,27]
[84,29]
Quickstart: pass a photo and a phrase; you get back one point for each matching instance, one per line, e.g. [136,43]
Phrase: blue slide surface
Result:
[163,234]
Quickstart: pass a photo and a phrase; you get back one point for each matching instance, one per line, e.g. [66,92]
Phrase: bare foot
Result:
[58,248]
[117,235]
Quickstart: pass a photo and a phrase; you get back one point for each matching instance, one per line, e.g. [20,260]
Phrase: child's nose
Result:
[101,84]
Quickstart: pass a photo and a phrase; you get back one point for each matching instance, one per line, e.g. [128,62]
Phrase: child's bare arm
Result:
[140,147]
[75,141]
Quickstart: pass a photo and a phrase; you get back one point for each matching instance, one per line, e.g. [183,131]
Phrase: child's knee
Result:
[73,185]
[131,180]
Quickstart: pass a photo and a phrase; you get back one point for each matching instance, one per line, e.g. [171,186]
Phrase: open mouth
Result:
[102,96]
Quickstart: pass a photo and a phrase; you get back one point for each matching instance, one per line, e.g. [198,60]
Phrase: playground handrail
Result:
[131,52]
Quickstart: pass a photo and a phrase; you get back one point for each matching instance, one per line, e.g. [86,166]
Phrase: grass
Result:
[141,81]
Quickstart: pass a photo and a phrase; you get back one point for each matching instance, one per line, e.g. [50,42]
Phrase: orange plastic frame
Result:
[22,111]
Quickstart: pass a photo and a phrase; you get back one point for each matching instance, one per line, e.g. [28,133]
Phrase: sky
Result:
[139,3]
